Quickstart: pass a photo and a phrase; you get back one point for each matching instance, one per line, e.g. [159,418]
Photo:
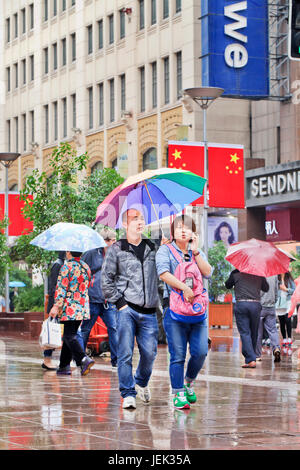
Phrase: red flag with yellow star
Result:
[189,156]
[226,176]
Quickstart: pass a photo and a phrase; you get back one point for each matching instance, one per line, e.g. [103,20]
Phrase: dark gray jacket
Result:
[269,299]
[125,279]
[94,259]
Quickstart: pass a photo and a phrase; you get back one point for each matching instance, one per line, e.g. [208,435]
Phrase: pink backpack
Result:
[189,273]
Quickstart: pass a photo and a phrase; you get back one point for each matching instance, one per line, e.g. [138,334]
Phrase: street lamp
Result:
[7,159]
[204,97]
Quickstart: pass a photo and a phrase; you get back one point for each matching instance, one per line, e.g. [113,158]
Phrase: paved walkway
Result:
[236,408]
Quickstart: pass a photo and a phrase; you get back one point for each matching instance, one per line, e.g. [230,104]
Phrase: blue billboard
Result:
[235,47]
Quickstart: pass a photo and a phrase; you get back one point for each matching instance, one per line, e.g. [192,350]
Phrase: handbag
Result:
[50,337]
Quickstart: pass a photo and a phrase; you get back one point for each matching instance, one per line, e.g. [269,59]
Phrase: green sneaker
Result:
[180,401]
[190,394]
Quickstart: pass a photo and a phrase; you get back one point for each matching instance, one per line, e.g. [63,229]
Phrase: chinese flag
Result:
[226,176]
[187,156]
[17,222]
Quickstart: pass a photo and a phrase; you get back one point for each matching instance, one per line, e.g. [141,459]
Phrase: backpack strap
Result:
[175,253]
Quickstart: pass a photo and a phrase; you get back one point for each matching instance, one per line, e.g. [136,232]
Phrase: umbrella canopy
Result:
[156,193]
[65,236]
[16,284]
[258,257]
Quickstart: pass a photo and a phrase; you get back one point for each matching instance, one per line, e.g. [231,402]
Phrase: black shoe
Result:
[48,368]
[276,354]
[86,364]
[64,370]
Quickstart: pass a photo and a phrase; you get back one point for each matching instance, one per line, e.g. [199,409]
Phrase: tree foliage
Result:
[222,270]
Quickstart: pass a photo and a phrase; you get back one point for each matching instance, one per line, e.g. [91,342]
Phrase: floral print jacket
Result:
[71,295]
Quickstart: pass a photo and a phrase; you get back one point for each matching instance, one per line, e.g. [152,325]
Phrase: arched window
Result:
[97,167]
[150,159]
[114,164]
[14,187]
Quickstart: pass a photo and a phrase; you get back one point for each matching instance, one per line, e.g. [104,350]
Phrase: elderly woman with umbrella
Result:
[254,260]
[71,304]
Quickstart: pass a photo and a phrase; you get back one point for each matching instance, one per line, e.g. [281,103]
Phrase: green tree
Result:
[296,265]
[222,269]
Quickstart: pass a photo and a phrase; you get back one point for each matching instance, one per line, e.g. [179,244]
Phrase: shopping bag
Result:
[50,337]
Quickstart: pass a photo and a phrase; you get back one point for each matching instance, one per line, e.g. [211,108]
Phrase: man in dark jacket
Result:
[52,280]
[247,289]
[98,305]
[129,280]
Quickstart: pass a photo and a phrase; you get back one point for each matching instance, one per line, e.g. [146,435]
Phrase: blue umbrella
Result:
[16,284]
[65,236]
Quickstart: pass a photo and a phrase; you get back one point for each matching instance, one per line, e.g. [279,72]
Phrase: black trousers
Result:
[285,326]
[71,348]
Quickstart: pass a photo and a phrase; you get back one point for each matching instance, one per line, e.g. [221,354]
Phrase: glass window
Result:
[16,75]
[23,12]
[65,117]
[46,10]
[150,159]
[179,74]
[17,134]
[178,6]
[142,89]
[74,110]
[111,29]
[46,60]
[54,7]
[32,125]
[154,84]
[54,56]
[90,38]
[123,92]
[64,51]
[73,46]
[142,13]
[114,164]
[112,99]
[91,114]
[8,79]
[64,5]
[153,12]
[24,132]
[165,9]
[31,13]
[97,167]
[101,104]
[55,120]
[122,24]
[100,34]
[8,127]
[31,58]
[8,30]
[46,116]
[24,71]
[166,80]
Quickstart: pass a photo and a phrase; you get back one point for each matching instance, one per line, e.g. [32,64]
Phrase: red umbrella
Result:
[258,257]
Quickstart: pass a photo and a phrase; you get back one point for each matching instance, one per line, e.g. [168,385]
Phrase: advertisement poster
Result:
[222,228]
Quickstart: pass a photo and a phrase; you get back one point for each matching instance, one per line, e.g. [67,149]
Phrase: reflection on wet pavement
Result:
[236,408]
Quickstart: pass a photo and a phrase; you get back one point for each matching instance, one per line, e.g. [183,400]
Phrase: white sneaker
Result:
[143,393]
[129,402]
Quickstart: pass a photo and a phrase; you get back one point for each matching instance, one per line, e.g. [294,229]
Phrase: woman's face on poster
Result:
[224,234]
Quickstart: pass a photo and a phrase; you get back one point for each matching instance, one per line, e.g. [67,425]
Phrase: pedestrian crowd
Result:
[121,284]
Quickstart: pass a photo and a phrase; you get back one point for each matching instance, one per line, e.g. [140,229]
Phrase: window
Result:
[90,38]
[31,16]
[55,120]
[150,159]
[46,7]
[91,114]
[111,29]
[23,71]
[64,5]
[122,24]
[165,9]
[65,117]
[73,47]
[46,60]
[73,98]
[31,61]
[179,74]
[97,167]
[54,7]
[8,85]
[101,104]
[114,164]
[16,24]
[8,30]
[54,51]
[142,89]
[178,6]
[73,2]
[153,11]
[142,13]
[32,125]
[8,130]
[154,84]
[166,80]
[24,132]
[16,75]
[64,52]
[100,34]
[112,100]
[23,13]
[46,120]
[123,92]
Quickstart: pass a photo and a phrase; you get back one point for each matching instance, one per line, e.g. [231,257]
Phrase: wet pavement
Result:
[237,409]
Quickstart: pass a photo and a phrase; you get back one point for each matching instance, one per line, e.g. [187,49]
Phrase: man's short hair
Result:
[125,214]
[108,234]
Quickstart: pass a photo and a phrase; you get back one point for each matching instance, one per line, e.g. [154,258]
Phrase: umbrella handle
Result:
[145,184]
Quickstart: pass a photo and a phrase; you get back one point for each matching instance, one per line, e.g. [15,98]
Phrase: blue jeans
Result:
[267,320]
[247,315]
[108,314]
[144,327]
[179,335]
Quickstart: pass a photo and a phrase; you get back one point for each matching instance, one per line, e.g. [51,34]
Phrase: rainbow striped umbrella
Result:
[156,193]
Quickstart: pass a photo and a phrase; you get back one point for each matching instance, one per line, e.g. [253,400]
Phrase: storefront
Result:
[273,204]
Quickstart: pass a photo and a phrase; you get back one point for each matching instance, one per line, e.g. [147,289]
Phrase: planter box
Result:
[220,314]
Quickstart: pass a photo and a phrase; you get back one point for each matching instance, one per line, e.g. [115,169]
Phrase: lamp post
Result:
[204,97]
[7,159]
